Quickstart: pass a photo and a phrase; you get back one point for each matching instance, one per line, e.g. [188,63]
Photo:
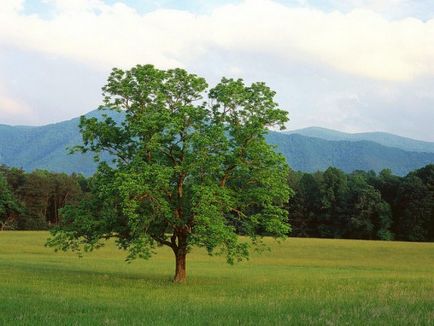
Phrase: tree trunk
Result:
[180,272]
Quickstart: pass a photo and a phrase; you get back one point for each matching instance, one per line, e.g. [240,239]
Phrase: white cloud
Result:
[11,107]
[360,42]
[352,70]
[11,6]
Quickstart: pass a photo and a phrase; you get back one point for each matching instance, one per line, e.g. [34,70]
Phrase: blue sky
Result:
[422,9]
[44,8]
[355,65]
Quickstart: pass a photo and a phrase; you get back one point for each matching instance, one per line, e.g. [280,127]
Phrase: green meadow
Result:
[299,282]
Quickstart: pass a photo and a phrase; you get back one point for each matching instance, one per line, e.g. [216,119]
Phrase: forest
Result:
[31,201]
[328,204]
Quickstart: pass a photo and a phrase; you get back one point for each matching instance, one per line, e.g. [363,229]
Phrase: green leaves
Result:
[9,207]
[190,165]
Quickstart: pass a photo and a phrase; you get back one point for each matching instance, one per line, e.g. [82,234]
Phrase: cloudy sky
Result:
[353,65]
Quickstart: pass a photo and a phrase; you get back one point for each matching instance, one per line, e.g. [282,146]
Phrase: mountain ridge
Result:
[310,154]
[383,138]
[44,147]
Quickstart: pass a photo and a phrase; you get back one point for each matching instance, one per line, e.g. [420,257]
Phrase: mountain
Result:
[45,147]
[311,154]
[382,138]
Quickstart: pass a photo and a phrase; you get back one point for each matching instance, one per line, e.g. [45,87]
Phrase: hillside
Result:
[381,138]
[311,154]
[44,147]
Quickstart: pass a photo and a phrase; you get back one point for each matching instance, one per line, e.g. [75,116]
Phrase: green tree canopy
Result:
[415,206]
[9,207]
[189,163]
[370,216]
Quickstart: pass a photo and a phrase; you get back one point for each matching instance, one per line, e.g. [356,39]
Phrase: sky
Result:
[353,65]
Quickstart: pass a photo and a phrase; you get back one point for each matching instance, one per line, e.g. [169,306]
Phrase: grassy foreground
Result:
[301,281]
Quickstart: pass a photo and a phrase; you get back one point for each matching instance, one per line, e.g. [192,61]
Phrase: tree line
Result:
[31,201]
[363,205]
[329,204]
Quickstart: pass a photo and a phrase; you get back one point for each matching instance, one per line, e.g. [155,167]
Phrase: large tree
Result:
[189,166]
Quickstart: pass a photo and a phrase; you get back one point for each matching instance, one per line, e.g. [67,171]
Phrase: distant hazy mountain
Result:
[312,154]
[382,138]
[45,148]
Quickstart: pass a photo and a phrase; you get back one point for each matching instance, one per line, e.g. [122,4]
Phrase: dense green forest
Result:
[31,201]
[329,204]
[363,205]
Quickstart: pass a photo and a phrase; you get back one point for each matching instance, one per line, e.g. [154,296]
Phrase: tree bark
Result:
[180,271]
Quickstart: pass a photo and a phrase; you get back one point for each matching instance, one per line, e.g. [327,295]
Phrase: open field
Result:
[301,281]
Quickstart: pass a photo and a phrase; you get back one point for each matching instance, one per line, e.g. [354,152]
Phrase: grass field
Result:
[300,282]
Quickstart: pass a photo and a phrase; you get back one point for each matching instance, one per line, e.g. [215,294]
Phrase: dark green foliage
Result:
[414,206]
[369,215]
[382,206]
[39,196]
[332,204]
[363,205]
[304,205]
[9,207]
[333,212]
